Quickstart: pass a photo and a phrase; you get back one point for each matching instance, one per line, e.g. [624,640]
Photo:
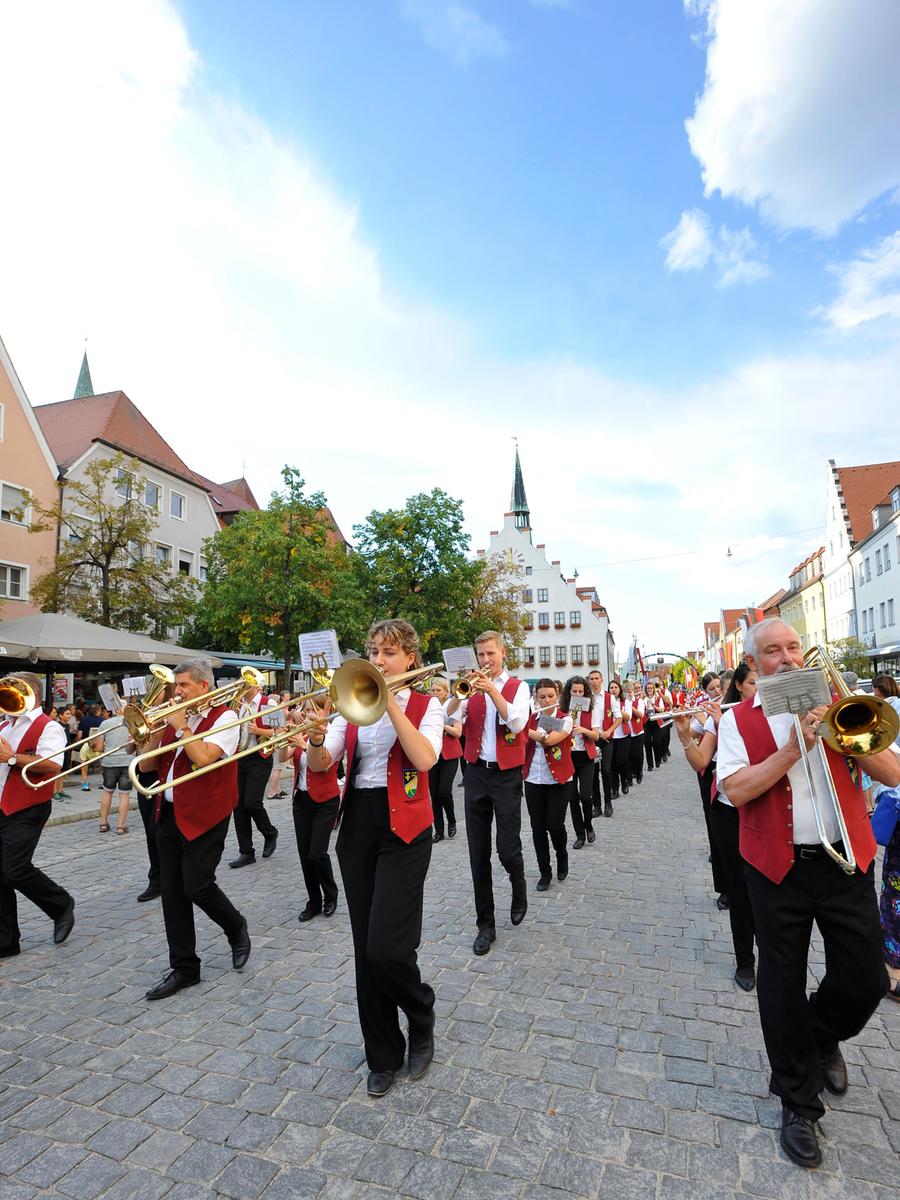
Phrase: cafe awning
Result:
[59,642]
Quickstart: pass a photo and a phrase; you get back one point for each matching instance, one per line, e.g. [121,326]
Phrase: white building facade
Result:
[875,562]
[837,574]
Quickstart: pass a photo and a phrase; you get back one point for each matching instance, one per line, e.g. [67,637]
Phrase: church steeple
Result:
[518,503]
[84,386]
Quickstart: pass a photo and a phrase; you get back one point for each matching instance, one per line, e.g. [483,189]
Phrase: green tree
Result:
[413,563]
[496,602]
[103,570]
[275,574]
[849,654]
[679,668]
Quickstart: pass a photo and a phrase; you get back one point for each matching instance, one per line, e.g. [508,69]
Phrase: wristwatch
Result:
[179,734]
[12,761]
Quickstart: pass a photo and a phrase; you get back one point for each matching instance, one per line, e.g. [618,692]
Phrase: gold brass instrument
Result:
[854,726]
[689,712]
[463,685]
[16,696]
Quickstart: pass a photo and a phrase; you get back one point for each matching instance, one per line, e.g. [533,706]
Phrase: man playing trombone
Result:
[192,823]
[794,880]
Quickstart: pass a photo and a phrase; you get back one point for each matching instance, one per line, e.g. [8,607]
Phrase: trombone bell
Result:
[16,696]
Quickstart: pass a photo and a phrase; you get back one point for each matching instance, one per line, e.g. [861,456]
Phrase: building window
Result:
[163,555]
[526,596]
[865,622]
[12,505]
[176,506]
[135,551]
[593,653]
[871,620]
[879,570]
[543,595]
[895,500]
[543,620]
[868,570]
[185,562]
[890,605]
[152,494]
[123,483]
[529,620]
[559,620]
[528,657]
[882,615]
[887,556]
[577,658]
[561,656]
[544,654]
[528,570]
[13,582]
[862,575]
[575,619]
[203,570]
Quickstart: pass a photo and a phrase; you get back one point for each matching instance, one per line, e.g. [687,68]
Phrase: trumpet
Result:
[463,685]
[689,712]
[358,691]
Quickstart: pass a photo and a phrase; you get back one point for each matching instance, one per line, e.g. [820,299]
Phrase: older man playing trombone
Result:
[793,880]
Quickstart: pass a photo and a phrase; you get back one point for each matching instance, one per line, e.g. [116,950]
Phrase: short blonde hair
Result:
[396,632]
[491,635]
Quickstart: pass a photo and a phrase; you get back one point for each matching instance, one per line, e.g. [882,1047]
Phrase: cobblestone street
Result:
[600,1049]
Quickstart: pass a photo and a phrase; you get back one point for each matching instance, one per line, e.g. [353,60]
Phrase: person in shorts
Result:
[113,735]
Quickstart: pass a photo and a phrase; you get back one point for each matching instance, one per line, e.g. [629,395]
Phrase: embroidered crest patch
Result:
[410,783]
[556,752]
[509,737]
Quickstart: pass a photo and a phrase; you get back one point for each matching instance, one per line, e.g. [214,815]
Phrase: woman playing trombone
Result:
[384,848]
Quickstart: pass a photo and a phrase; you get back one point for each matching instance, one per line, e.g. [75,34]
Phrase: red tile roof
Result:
[774,600]
[73,426]
[232,497]
[863,488]
[730,618]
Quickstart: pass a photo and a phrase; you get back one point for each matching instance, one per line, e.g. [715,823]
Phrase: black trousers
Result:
[384,882]
[253,778]
[547,812]
[581,794]
[704,781]
[19,835]
[313,823]
[145,806]
[665,736]
[604,772]
[652,744]
[489,793]
[187,871]
[621,764]
[796,1027]
[725,825]
[636,757]
[440,788]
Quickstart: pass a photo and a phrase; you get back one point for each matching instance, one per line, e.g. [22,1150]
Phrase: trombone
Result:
[854,726]
[358,692]
[144,719]
[16,696]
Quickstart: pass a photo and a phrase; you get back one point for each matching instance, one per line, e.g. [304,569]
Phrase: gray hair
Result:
[755,632]
[850,678]
[199,670]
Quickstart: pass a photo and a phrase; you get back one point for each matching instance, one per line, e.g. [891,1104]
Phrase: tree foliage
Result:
[849,654]
[275,574]
[496,602]
[679,669]
[104,570]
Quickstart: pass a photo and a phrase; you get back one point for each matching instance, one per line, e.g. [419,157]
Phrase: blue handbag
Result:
[886,816]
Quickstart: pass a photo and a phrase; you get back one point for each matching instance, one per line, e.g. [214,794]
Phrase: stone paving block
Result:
[214,1123]
[255,1132]
[20,1149]
[433,1179]
[518,1159]
[467,1146]
[40,1113]
[55,1162]
[172,1112]
[480,1185]
[311,1110]
[130,1099]
[411,1131]
[488,1117]
[573,1173]
[160,1149]
[656,1152]
[385,1165]
[200,1163]
[139,1184]
[727,1104]
[864,1162]
[340,1154]
[120,1137]
[445,1108]
[295,1183]
[246,1175]
[296,1143]
[627,1183]
[639,1114]
[93,1176]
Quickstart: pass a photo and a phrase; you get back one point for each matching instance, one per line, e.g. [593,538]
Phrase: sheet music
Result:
[110,698]
[793,691]
[579,704]
[136,685]
[322,645]
[551,724]
[460,658]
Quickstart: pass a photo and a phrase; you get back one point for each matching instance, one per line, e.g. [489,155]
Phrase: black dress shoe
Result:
[451,829]
[421,1051]
[309,912]
[608,810]
[625,789]
[270,841]
[519,904]
[330,908]
[483,939]
[240,947]
[578,844]
[722,903]
[379,1083]
[543,883]
[243,860]
[62,926]
[639,779]
[562,869]
[835,1071]
[745,977]
[591,837]
[437,837]
[149,893]
[596,811]
[798,1139]
[170,984]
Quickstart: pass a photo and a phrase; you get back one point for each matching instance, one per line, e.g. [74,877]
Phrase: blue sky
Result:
[659,242]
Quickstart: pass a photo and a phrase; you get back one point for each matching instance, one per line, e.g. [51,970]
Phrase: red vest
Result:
[320,785]
[637,721]
[17,795]
[585,722]
[451,747]
[767,824]
[559,758]
[204,802]
[510,746]
[606,713]
[626,725]
[407,788]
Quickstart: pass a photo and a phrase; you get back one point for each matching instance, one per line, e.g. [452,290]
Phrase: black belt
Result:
[816,850]
[492,766]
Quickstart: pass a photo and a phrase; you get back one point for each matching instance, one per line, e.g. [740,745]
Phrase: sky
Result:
[656,242]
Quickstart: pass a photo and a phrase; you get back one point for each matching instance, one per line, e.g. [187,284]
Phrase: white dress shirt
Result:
[375,742]
[518,712]
[301,773]
[618,709]
[539,771]
[225,739]
[732,756]
[52,741]
[257,705]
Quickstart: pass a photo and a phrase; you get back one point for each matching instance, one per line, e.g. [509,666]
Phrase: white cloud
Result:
[869,287]
[457,30]
[227,289]
[693,243]
[799,110]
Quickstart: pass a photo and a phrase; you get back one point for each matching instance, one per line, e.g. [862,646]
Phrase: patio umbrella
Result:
[59,642]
